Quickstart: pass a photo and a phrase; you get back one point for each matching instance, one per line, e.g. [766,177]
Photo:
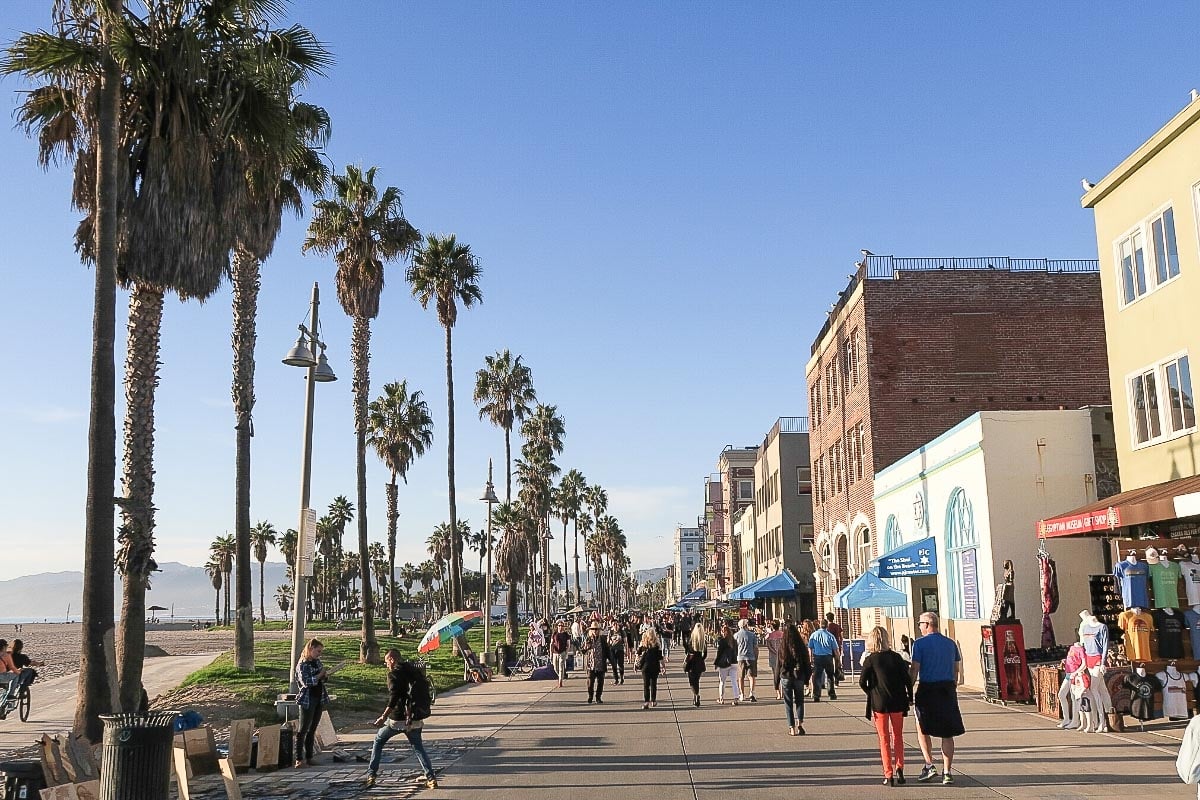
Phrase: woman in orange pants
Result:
[889,689]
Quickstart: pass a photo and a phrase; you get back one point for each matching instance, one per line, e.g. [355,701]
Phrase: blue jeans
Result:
[823,668]
[414,738]
[793,698]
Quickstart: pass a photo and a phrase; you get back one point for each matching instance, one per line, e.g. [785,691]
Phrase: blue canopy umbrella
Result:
[869,591]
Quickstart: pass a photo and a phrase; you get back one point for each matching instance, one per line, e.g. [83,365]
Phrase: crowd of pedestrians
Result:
[805,662]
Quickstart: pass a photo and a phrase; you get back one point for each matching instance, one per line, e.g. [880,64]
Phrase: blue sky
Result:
[665,198]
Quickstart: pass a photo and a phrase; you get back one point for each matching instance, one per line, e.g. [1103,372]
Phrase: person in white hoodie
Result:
[1187,764]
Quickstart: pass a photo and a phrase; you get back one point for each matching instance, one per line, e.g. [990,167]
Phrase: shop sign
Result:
[970,585]
[1101,520]
[910,560]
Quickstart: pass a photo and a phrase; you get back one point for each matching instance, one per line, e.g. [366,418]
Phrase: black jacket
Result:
[886,680]
[399,685]
[650,660]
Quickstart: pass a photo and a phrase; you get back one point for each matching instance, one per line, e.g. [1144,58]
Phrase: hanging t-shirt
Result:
[1137,627]
[1094,639]
[1175,689]
[1192,619]
[1191,581]
[1141,694]
[1165,577]
[1170,632]
[1133,579]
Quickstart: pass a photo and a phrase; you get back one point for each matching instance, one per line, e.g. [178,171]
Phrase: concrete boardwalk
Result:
[530,740]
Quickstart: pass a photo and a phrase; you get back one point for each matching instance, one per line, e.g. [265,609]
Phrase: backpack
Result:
[421,693]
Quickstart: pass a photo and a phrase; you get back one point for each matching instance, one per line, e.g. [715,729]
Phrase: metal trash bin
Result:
[506,654]
[136,764]
[23,779]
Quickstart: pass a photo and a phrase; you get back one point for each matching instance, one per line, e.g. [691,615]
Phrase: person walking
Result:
[409,704]
[795,668]
[667,636]
[774,644]
[726,664]
[697,652]
[649,663]
[888,684]
[823,645]
[616,652]
[560,647]
[747,657]
[312,698]
[595,661]
[936,669]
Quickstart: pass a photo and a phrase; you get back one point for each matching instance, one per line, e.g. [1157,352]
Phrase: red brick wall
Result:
[939,346]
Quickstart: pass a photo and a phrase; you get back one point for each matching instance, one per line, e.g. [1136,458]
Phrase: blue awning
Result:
[696,596]
[908,560]
[782,584]
[869,591]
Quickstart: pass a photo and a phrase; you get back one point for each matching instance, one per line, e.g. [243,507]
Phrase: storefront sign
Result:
[1104,519]
[909,560]
[970,585]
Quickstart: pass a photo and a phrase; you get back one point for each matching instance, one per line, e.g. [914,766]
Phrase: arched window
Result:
[962,570]
[893,538]
[863,553]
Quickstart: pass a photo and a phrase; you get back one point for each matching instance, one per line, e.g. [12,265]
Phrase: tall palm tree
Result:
[438,546]
[216,573]
[570,502]
[262,536]
[363,229]
[224,548]
[596,499]
[275,178]
[287,546]
[327,537]
[283,598]
[543,430]
[446,273]
[341,512]
[400,429]
[408,576]
[379,568]
[427,573]
[504,393]
[512,559]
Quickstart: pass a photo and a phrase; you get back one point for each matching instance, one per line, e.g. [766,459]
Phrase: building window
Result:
[1161,402]
[803,481]
[893,538]
[1132,254]
[1136,277]
[691,561]
[745,490]
[806,537]
[814,401]
[1166,254]
[864,554]
[855,357]
[962,545]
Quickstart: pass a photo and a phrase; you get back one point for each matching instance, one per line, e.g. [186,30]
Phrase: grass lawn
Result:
[361,689]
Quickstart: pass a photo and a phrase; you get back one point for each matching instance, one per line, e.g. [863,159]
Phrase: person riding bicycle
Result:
[8,671]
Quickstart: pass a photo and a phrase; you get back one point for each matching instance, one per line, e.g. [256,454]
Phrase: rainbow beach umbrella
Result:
[447,628]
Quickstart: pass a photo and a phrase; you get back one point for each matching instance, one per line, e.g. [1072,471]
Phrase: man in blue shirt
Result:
[822,644]
[936,669]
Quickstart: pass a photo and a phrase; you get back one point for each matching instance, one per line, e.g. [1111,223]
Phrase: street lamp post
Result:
[303,354]
[546,537]
[489,497]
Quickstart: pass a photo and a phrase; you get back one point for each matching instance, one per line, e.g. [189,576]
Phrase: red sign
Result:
[1104,519]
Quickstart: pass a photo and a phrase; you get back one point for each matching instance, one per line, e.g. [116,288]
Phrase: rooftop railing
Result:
[786,425]
[887,266]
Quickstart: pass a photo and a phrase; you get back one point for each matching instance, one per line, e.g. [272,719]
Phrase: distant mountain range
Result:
[186,590]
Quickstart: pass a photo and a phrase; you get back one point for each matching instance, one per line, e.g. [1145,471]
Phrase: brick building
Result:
[915,345]
[728,490]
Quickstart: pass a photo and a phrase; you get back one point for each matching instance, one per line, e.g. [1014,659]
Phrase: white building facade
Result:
[976,493]
[688,561]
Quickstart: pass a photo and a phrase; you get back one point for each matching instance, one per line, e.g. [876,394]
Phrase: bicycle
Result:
[19,700]
[530,660]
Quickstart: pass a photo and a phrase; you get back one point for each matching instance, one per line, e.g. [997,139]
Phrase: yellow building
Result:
[1146,213]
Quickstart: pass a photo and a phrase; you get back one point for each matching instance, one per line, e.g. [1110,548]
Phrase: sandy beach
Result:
[58,644]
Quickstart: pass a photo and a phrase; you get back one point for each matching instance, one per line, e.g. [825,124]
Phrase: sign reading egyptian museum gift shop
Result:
[1103,519]
[909,560]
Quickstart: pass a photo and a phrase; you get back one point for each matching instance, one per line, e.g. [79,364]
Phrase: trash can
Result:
[136,764]
[23,779]
[506,654]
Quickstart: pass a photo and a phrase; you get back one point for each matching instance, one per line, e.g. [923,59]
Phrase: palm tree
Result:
[216,573]
[165,168]
[543,431]
[446,273]
[283,598]
[261,536]
[427,573]
[327,538]
[341,512]
[363,229]
[569,502]
[400,430]
[275,178]
[512,559]
[379,568]
[408,576]
[596,499]
[287,546]
[224,548]
[504,392]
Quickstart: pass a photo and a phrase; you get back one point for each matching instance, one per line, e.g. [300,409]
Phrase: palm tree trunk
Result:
[245,310]
[456,598]
[96,690]
[262,596]
[393,515]
[508,465]
[578,595]
[217,608]
[137,507]
[566,572]
[511,623]
[361,353]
